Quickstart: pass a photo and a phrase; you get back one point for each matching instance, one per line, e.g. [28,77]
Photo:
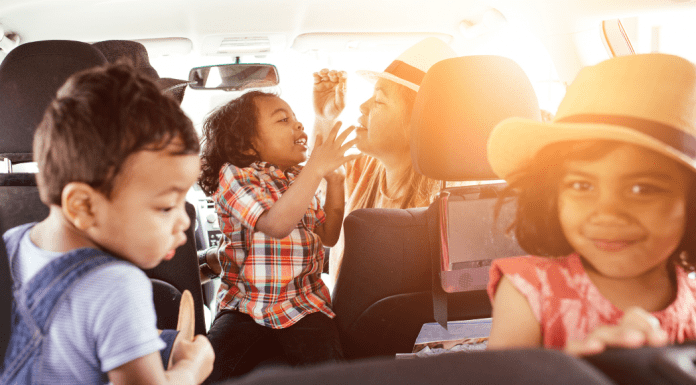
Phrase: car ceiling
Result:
[92,21]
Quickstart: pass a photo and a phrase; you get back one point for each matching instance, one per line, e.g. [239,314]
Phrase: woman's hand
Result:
[637,328]
[329,93]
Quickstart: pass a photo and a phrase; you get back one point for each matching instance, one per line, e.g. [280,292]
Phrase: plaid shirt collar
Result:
[271,169]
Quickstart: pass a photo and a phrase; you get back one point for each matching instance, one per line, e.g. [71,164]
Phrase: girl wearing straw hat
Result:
[606,204]
[385,178]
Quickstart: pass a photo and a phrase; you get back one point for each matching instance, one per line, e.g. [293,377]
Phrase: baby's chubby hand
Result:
[329,154]
[637,328]
[198,354]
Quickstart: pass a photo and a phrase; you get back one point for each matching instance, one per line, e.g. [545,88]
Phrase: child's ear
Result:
[78,204]
[250,151]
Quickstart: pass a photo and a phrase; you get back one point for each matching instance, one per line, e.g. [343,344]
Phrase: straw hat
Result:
[647,100]
[410,67]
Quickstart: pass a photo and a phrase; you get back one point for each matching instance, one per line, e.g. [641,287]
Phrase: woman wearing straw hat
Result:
[606,203]
[385,177]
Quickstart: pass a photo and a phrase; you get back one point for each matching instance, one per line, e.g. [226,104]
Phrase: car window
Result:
[669,32]
[296,68]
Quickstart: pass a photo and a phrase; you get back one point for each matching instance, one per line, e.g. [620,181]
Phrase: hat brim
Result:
[373,76]
[514,142]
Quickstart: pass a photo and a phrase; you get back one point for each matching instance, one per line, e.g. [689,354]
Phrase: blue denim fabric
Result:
[34,304]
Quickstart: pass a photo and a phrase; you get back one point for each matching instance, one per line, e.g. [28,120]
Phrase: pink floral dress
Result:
[568,306]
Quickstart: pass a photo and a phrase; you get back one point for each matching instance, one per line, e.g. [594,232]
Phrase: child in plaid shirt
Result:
[276,230]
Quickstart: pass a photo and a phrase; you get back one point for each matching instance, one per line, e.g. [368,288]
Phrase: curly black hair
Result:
[227,138]
[534,189]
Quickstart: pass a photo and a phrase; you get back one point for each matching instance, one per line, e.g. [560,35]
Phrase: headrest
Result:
[459,102]
[30,75]
[136,54]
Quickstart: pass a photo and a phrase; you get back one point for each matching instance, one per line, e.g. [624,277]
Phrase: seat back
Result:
[390,274]
[182,272]
[449,143]
[5,302]
[19,201]
[528,367]
[30,75]
[377,283]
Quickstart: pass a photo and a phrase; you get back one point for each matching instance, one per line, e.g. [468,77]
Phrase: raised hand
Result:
[329,93]
[329,154]
[637,328]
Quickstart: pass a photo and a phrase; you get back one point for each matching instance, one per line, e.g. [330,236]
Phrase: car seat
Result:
[390,273]
[5,301]
[30,76]
[528,366]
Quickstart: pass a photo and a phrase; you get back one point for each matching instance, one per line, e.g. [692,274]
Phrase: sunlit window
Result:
[665,32]
[296,68]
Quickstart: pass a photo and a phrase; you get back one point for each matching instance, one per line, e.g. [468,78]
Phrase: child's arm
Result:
[192,364]
[334,206]
[514,324]
[282,217]
[637,328]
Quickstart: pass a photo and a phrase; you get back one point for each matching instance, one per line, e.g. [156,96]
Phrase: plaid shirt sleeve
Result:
[319,213]
[243,195]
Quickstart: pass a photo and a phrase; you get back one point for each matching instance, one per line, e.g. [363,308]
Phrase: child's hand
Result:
[328,155]
[198,354]
[329,93]
[637,328]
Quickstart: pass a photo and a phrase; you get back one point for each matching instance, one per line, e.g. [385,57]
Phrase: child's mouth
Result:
[612,245]
[302,142]
[169,255]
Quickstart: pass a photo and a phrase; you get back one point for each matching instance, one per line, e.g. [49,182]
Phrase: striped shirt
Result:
[275,281]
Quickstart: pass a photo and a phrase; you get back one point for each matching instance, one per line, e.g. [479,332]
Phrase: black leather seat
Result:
[5,301]
[530,367]
[30,76]
[384,291]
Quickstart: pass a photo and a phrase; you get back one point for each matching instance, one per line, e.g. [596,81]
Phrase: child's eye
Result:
[642,189]
[580,186]
[283,120]
[166,209]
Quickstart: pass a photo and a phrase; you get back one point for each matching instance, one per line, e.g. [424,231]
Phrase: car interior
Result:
[402,268]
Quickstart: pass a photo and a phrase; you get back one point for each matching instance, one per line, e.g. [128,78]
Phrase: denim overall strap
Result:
[34,305]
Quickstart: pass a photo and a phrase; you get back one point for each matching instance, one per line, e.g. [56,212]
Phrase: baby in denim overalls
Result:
[115,159]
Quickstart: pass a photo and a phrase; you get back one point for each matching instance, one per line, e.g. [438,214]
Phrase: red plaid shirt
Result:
[275,281]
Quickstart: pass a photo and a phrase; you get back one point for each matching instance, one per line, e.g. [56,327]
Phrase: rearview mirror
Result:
[233,77]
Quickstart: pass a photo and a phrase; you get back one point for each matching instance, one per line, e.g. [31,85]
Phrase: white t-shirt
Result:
[107,320]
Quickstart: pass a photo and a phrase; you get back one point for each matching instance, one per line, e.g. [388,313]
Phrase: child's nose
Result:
[300,126]
[610,209]
[183,221]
